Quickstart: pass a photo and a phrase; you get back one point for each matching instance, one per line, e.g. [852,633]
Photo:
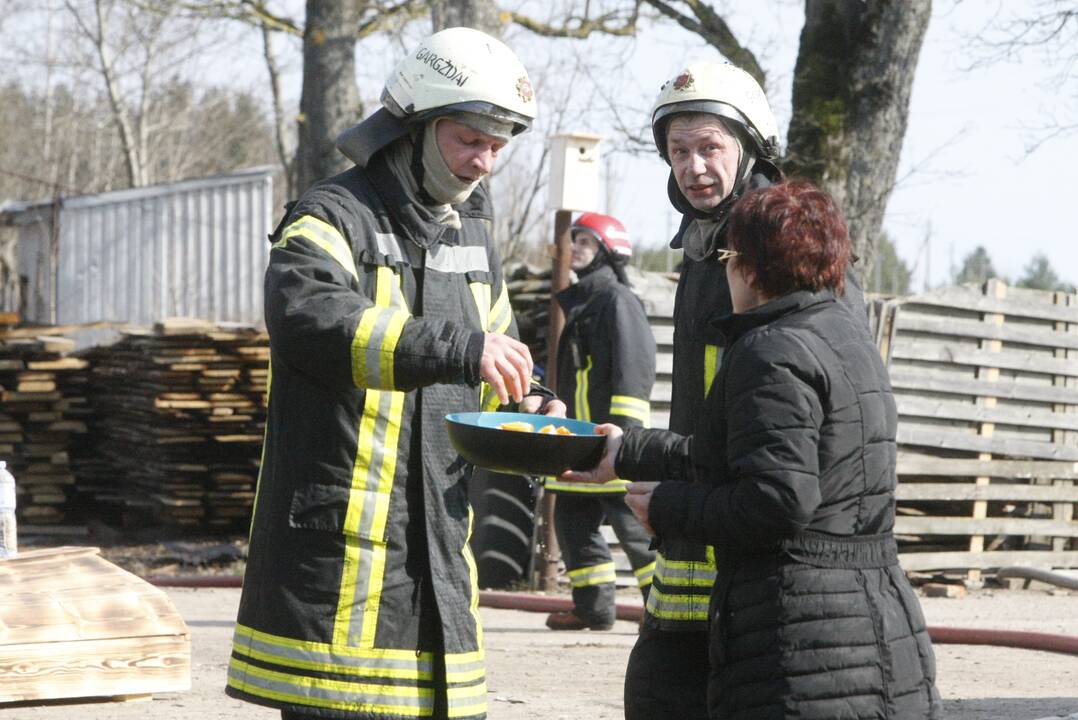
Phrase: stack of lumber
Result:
[73,625]
[986,384]
[179,419]
[529,294]
[43,413]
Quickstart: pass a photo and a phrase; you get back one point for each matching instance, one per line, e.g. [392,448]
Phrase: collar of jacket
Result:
[587,286]
[734,325]
[414,219]
[764,175]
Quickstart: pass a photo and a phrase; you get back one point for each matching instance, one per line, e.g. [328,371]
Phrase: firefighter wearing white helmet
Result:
[386,309]
[714,127]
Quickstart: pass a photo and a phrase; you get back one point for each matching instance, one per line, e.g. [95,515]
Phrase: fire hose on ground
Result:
[1048,642]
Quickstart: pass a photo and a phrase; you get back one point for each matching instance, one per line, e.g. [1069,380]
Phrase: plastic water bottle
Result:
[8,536]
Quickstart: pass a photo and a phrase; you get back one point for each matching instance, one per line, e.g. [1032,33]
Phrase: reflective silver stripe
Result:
[458,259]
[373,346]
[388,246]
[467,701]
[677,607]
[402,664]
[356,696]
[691,574]
[592,575]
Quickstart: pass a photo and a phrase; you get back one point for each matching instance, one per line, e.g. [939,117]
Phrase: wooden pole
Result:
[559,280]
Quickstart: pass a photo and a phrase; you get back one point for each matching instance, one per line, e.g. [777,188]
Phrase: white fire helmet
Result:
[461,70]
[719,89]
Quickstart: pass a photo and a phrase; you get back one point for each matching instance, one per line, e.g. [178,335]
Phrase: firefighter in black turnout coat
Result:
[386,309]
[791,479]
[606,367]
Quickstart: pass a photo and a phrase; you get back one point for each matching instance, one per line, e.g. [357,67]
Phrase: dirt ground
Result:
[537,674]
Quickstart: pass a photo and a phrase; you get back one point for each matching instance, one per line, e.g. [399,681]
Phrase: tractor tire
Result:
[504,507]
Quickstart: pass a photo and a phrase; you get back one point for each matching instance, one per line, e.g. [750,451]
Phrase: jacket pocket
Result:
[319,507]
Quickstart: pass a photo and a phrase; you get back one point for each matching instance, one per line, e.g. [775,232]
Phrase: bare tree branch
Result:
[580,27]
[710,26]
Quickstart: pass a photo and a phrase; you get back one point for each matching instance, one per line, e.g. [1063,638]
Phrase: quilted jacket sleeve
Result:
[773,417]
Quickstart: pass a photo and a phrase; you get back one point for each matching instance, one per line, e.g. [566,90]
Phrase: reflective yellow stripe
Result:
[375,466]
[322,235]
[481,295]
[677,607]
[592,575]
[473,577]
[501,314]
[694,577]
[629,406]
[644,574]
[338,660]
[580,398]
[613,486]
[373,346]
[364,697]
[712,356]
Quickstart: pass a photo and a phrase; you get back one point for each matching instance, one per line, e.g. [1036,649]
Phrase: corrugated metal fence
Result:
[194,248]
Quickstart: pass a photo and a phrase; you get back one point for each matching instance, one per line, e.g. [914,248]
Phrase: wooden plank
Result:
[975,443]
[924,379]
[953,354]
[934,408]
[1018,469]
[969,491]
[980,526]
[967,299]
[915,561]
[98,668]
[957,327]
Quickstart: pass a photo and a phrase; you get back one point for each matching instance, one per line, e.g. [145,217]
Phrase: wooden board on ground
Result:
[73,625]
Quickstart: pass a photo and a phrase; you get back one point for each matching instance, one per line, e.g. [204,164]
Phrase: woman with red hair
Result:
[791,478]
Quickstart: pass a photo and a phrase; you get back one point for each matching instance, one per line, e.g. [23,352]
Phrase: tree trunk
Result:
[330,100]
[851,95]
[479,14]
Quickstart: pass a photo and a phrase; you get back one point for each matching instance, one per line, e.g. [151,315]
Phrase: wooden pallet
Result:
[989,374]
[73,625]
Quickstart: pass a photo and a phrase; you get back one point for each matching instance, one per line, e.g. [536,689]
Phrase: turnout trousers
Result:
[588,562]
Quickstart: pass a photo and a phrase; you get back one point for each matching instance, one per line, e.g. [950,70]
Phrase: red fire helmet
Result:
[608,230]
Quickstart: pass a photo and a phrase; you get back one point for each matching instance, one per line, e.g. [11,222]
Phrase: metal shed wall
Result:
[194,248]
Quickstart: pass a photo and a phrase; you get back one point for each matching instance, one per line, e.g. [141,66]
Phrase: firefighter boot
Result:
[568,620]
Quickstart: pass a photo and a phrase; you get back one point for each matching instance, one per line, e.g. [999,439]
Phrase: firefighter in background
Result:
[386,310]
[606,367]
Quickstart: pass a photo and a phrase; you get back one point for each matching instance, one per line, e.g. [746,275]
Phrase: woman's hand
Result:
[604,471]
[638,498]
[534,404]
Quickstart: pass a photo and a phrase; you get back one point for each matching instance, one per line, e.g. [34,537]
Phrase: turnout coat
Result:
[811,615]
[360,596]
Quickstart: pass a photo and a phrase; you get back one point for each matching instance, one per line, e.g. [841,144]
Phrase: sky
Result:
[966,176]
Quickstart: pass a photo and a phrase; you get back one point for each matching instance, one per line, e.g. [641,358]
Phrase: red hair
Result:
[790,236]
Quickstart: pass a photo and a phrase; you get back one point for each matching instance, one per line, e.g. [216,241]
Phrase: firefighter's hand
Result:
[604,471]
[534,404]
[638,498]
[506,366]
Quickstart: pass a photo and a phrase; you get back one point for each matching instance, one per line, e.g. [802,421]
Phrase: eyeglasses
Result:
[725,254]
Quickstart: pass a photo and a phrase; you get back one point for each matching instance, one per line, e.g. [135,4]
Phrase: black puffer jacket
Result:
[812,617]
